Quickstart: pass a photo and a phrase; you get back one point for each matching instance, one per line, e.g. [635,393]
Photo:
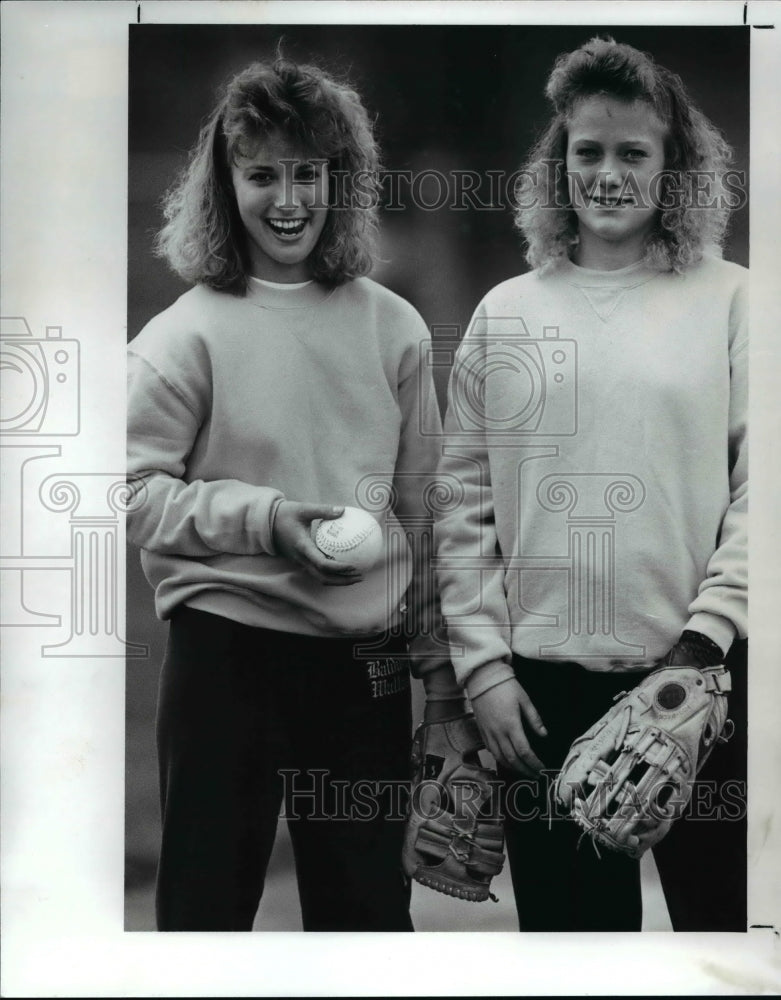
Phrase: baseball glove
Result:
[628,778]
[453,838]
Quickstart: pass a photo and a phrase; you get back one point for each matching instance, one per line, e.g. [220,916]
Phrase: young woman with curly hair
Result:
[597,427]
[281,388]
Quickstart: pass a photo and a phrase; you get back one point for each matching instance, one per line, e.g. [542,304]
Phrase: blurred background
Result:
[445,98]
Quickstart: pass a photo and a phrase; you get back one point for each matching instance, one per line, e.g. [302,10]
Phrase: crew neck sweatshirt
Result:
[311,394]
[283,286]
[597,430]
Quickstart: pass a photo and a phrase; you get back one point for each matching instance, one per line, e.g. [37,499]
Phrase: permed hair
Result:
[203,238]
[683,231]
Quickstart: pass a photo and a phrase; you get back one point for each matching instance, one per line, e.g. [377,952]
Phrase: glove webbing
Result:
[642,757]
[441,839]
[666,766]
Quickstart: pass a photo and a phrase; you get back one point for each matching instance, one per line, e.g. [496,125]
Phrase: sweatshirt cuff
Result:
[260,519]
[720,630]
[484,678]
[441,684]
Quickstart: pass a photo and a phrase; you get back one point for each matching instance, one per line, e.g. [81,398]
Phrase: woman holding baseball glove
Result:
[281,389]
[597,427]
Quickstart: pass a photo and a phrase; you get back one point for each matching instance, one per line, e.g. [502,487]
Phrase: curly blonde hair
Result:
[683,230]
[203,238]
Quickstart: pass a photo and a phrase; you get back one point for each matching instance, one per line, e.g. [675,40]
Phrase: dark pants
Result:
[250,718]
[560,885]
[702,861]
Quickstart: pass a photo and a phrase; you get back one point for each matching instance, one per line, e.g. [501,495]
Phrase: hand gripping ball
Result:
[354,538]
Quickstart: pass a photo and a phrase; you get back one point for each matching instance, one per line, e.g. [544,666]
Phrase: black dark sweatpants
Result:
[249,718]
[560,886]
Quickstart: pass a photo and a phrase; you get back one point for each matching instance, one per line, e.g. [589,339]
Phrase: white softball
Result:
[354,538]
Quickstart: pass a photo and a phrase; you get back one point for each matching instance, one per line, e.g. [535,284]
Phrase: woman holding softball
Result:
[282,388]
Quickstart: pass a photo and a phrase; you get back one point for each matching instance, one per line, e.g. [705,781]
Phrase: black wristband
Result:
[704,651]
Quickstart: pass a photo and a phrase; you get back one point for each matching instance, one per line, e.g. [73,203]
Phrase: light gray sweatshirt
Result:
[595,444]
[311,394]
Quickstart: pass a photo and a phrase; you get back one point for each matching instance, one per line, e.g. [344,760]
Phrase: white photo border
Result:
[64,179]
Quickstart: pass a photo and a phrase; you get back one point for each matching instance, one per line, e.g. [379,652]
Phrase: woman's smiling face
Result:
[282,198]
[614,150]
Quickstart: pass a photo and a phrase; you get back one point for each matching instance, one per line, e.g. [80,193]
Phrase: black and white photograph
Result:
[382,481]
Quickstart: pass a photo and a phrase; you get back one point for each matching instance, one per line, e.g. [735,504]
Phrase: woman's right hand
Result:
[293,538]
[500,713]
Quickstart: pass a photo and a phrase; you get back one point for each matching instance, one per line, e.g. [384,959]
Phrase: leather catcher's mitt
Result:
[453,838]
[628,778]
